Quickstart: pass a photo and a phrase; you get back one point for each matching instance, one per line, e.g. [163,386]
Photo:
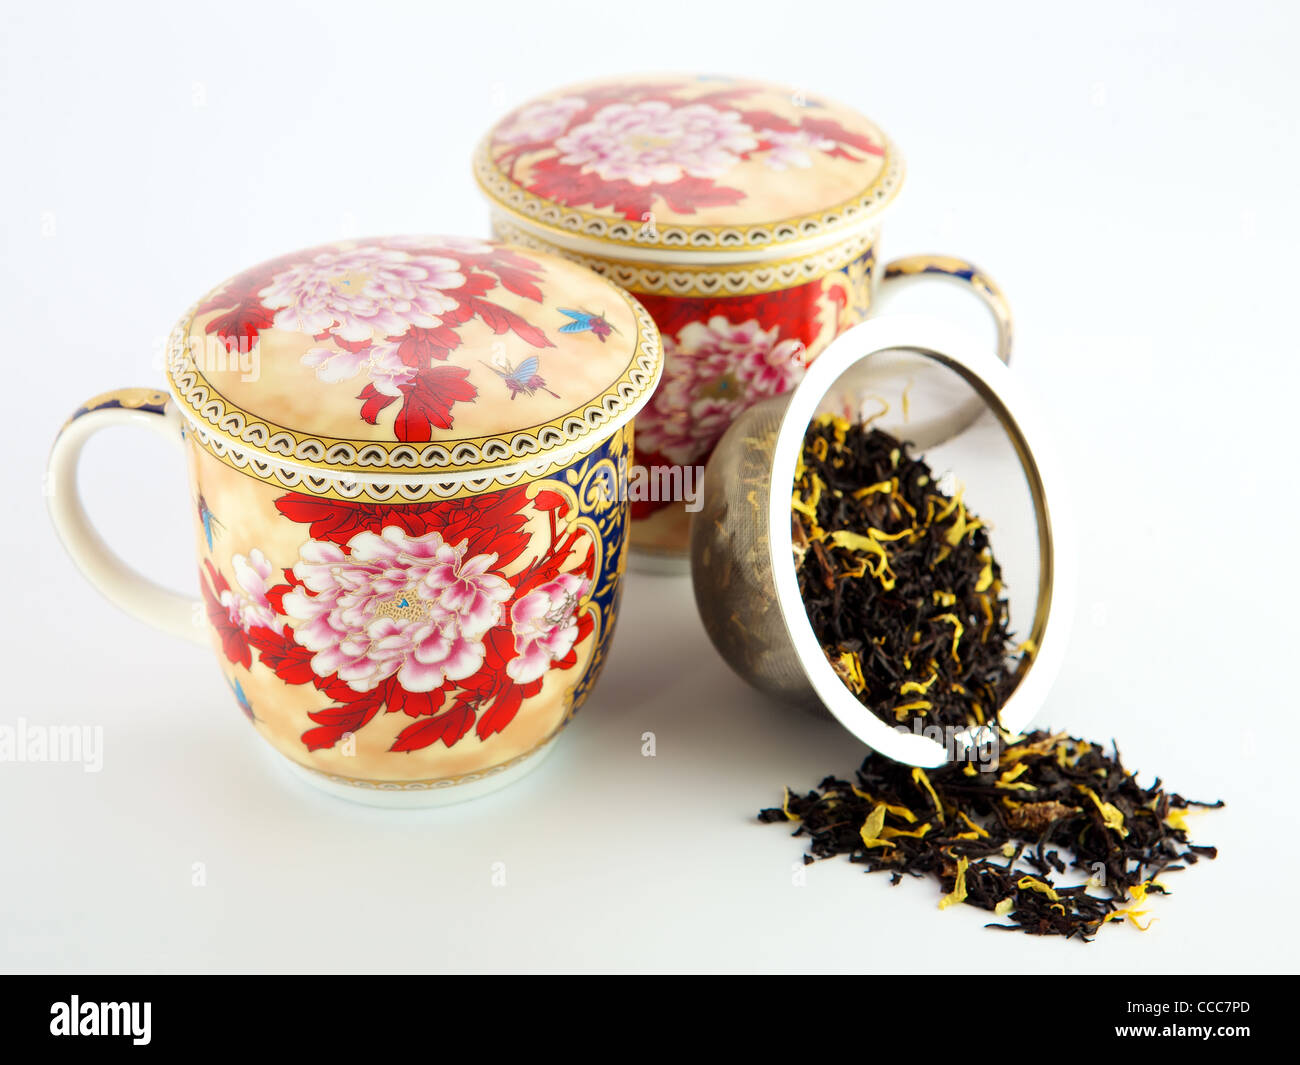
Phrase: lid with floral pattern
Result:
[413,355]
[701,164]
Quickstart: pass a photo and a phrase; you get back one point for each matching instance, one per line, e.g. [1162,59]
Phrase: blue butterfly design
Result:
[522,378]
[208,519]
[585,321]
[244,704]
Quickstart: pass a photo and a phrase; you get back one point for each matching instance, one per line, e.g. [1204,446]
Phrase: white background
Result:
[1126,171]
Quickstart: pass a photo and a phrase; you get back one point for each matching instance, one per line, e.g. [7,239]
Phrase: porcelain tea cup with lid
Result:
[746,217]
[408,490]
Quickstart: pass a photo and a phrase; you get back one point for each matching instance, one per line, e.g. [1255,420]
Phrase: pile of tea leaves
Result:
[899,582]
[1003,835]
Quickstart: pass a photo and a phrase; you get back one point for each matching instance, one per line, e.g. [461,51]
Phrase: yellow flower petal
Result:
[1031,884]
[901,712]
[1110,814]
[871,827]
[896,833]
[1131,915]
[957,629]
[901,812]
[958,892]
[918,775]
[881,486]
[785,807]
[912,687]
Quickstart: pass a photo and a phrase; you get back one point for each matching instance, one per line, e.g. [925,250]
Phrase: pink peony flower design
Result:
[541,121]
[364,294]
[251,608]
[380,363]
[544,624]
[654,142]
[680,423]
[714,371]
[395,604]
[793,149]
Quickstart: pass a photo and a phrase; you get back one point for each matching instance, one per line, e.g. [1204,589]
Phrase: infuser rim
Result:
[1025,427]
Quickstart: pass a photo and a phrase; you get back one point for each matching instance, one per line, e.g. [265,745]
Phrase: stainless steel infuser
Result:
[742,562]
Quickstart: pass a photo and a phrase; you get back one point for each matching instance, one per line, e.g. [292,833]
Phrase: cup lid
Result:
[699,164]
[400,356]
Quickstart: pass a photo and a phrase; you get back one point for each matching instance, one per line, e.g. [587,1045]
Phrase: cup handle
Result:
[133,592]
[916,267]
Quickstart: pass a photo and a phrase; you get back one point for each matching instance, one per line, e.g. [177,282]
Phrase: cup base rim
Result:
[398,795]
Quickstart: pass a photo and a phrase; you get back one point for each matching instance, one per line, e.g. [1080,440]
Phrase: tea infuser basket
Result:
[742,566]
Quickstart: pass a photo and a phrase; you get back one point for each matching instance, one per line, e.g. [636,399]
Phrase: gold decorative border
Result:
[350,487]
[242,429]
[561,220]
[948,266]
[685,280]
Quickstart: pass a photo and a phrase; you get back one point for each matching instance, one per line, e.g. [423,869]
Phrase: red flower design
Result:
[633,147]
[405,366]
[234,642]
[788,322]
[489,699]
[429,400]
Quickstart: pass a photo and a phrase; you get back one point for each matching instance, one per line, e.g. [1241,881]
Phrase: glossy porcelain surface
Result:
[421,644]
[412,353]
[408,461]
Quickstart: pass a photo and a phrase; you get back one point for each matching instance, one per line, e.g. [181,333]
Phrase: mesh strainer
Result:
[742,565]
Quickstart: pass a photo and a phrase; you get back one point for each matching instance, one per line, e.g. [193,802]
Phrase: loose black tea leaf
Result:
[1000,836]
[899,581]
[905,596]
